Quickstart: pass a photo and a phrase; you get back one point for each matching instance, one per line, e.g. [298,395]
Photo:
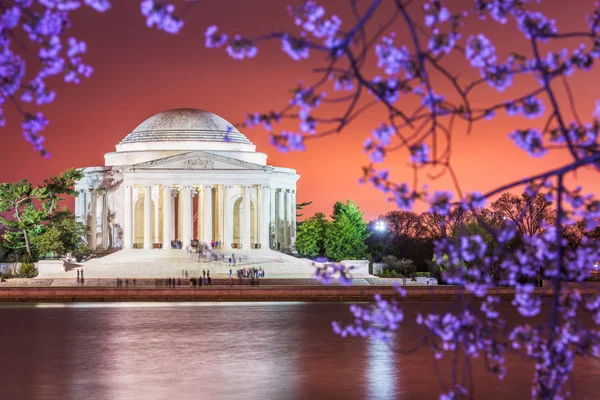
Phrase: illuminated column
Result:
[104,219]
[187,217]
[147,217]
[227,218]
[273,221]
[265,215]
[207,221]
[80,206]
[180,203]
[288,217]
[167,216]
[128,218]
[174,193]
[293,219]
[246,224]
[93,220]
[280,227]
[200,219]
[156,230]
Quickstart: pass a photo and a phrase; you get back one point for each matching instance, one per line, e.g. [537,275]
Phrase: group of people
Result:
[253,273]
[125,282]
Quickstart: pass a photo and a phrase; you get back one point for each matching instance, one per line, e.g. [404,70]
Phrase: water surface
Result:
[247,351]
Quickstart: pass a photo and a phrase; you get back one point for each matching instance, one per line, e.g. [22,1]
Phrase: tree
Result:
[528,212]
[300,206]
[437,225]
[32,208]
[346,233]
[63,234]
[18,200]
[310,239]
[404,237]
[404,266]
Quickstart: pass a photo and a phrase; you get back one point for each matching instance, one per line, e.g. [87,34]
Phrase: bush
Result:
[27,269]
[422,274]
[7,275]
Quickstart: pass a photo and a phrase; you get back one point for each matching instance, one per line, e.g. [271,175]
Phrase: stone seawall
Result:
[297,293]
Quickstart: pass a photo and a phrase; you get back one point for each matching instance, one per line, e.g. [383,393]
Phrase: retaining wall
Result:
[298,293]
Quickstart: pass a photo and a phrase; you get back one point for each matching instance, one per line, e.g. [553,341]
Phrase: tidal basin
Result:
[230,351]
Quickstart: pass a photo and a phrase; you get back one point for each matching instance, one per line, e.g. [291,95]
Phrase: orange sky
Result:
[139,72]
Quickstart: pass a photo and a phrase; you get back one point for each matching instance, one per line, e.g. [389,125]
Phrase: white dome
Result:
[185,125]
[183,130]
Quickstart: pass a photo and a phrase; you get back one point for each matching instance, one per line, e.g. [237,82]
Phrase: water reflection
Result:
[271,351]
[381,371]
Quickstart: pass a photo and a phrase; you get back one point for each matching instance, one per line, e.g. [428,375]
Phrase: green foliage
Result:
[301,206]
[49,242]
[63,234]
[346,233]
[422,274]
[310,238]
[31,208]
[27,268]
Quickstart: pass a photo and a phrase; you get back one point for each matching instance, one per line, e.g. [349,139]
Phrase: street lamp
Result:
[380,226]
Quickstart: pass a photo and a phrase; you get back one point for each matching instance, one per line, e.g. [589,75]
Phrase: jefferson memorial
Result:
[187,176]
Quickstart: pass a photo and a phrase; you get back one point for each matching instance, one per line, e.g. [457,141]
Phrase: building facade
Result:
[184,175]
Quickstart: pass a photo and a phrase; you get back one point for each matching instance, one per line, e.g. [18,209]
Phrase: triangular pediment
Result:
[198,160]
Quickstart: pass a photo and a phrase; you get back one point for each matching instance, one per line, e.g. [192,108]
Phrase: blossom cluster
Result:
[45,23]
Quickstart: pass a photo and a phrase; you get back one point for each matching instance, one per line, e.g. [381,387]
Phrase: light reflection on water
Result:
[381,371]
[278,351]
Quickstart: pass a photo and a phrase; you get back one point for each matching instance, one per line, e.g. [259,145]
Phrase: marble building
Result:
[186,175]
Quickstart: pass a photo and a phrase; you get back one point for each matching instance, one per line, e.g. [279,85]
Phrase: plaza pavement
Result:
[159,263]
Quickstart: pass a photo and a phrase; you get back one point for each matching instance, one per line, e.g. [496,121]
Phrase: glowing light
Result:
[380,226]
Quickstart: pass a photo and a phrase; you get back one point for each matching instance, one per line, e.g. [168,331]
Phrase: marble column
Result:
[93,223]
[219,214]
[180,206]
[157,219]
[246,224]
[288,217]
[167,217]
[227,218]
[207,222]
[186,240]
[105,219]
[265,214]
[148,217]
[80,206]
[199,220]
[272,222]
[87,207]
[293,219]
[280,219]
[174,193]
[128,218]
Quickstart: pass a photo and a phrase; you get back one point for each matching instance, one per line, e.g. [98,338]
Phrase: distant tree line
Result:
[410,236]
